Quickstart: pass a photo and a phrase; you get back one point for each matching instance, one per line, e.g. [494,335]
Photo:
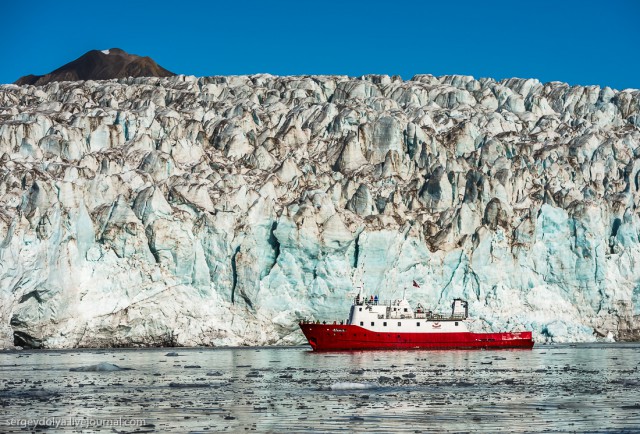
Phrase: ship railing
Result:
[441,317]
[332,322]
[325,322]
[419,313]
[428,315]
[368,301]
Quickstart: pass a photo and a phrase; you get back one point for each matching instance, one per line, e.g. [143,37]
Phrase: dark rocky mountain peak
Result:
[100,65]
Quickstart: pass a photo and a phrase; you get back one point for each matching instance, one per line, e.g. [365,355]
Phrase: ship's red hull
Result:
[332,337]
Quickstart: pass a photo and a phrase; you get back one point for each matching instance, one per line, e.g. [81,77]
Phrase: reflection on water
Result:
[558,388]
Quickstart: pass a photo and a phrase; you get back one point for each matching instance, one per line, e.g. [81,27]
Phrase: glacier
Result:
[221,210]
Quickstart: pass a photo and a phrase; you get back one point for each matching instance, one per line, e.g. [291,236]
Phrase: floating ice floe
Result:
[100,367]
[352,386]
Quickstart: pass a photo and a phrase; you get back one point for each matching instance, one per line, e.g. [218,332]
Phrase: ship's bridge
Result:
[391,309]
[367,311]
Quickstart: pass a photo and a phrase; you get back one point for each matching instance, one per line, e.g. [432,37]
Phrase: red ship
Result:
[394,325]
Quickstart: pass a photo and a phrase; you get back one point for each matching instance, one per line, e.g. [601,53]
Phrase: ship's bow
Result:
[310,331]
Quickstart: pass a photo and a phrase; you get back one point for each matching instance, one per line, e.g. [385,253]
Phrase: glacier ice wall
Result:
[220,210]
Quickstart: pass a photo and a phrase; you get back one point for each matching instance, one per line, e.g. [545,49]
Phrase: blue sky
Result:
[579,42]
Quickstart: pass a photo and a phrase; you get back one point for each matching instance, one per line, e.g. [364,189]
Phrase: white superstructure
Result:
[397,316]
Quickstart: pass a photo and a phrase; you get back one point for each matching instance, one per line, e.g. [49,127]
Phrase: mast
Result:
[359,298]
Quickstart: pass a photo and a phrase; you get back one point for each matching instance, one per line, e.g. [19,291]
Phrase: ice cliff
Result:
[220,210]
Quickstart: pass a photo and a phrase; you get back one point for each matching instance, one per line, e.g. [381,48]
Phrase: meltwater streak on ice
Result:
[588,387]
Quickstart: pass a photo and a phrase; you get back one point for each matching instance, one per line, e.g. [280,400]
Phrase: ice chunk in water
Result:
[100,367]
[352,386]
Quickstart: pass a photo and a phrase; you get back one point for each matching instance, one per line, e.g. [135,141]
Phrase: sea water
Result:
[567,388]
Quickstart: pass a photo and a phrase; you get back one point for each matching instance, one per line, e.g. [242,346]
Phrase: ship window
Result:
[399,323]
[418,324]
[372,323]
[406,310]
[456,322]
[361,323]
[360,309]
[384,323]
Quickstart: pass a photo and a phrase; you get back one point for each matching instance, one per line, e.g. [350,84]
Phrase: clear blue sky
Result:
[579,42]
